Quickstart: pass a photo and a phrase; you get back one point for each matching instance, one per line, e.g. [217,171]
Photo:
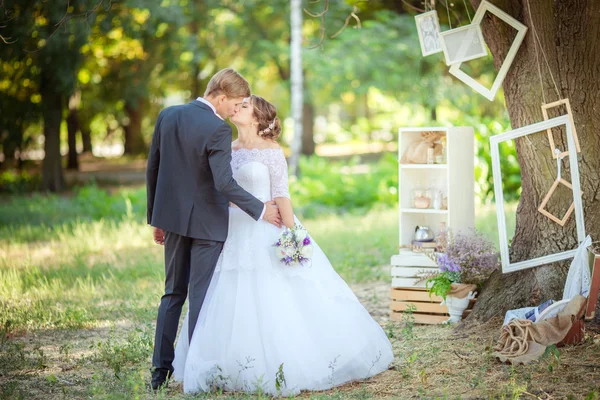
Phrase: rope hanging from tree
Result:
[537,42]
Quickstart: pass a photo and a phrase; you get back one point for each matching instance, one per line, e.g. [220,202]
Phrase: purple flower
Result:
[306,241]
[470,254]
[447,264]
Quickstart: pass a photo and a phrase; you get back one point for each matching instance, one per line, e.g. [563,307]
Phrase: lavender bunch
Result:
[472,255]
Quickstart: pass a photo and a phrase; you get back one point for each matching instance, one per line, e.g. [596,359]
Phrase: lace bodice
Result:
[261,172]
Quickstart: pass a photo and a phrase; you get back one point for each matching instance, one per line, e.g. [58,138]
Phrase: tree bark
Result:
[134,142]
[308,136]
[568,31]
[72,128]
[86,132]
[86,138]
[296,83]
[52,172]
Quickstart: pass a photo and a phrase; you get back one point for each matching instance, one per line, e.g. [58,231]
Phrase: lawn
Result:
[80,280]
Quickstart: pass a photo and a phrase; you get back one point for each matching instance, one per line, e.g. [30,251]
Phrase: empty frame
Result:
[512,52]
[564,120]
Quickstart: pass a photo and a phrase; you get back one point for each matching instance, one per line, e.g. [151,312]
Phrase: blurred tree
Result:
[137,44]
[51,36]
[19,103]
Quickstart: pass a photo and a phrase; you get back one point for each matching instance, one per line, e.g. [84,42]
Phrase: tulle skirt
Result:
[270,328]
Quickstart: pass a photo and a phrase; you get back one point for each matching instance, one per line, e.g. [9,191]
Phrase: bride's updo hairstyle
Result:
[269,126]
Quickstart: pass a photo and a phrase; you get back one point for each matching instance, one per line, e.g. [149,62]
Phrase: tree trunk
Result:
[72,128]
[86,135]
[568,31]
[308,136]
[134,142]
[52,172]
[296,83]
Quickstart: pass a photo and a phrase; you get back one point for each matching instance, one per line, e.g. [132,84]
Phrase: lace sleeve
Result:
[278,172]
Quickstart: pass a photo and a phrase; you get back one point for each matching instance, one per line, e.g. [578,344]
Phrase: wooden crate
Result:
[590,312]
[408,276]
[428,309]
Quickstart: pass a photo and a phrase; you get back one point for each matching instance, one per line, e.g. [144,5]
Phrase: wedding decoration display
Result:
[490,93]
[507,266]
[294,247]
[428,28]
[449,186]
[463,44]
[562,102]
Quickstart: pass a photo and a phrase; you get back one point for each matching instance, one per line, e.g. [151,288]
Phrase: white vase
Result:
[456,307]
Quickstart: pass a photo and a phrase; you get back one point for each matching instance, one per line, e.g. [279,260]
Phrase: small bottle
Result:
[437,199]
[430,157]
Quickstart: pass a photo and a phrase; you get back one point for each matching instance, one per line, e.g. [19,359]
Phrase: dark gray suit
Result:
[189,186]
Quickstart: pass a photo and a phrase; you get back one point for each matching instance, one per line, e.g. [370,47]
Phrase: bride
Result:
[264,326]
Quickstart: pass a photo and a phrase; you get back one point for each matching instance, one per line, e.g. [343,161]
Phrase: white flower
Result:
[289,251]
[280,252]
[307,251]
[301,234]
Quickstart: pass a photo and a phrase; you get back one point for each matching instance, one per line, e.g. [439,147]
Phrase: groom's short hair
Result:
[228,82]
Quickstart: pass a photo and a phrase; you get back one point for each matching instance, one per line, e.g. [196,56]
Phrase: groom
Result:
[190,184]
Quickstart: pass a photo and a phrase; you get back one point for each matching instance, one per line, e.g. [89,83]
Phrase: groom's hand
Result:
[159,236]
[272,215]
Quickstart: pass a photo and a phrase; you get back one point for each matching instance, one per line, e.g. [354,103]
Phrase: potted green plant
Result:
[469,259]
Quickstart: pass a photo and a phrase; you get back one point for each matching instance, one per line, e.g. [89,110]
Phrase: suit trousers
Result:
[189,263]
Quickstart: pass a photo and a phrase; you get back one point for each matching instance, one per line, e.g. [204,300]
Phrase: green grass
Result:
[71,268]
[80,281]
[81,261]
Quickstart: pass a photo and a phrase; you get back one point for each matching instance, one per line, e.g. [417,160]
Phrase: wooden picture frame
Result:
[567,105]
[463,44]
[495,141]
[428,28]
[542,207]
[490,93]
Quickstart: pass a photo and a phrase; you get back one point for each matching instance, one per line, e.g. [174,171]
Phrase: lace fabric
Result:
[258,181]
[579,277]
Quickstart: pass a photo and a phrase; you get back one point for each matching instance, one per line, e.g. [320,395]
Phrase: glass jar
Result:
[421,198]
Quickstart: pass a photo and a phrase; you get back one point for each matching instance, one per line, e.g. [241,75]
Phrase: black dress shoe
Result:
[160,378]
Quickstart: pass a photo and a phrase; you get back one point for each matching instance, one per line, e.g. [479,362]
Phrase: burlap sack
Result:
[461,290]
[416,153]
[523,341]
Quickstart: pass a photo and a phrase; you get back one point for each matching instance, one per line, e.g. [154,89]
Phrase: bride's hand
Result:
[272,214]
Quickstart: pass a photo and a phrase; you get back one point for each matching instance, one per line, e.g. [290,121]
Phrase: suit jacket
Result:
[189,179]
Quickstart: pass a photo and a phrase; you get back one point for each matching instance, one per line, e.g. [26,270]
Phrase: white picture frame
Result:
[490,93]
[428,28]
[463,44]
[495,141]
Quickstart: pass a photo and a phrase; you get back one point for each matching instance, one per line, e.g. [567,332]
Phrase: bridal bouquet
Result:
[294,247]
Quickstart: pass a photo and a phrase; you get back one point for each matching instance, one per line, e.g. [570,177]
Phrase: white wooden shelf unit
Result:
[455,178]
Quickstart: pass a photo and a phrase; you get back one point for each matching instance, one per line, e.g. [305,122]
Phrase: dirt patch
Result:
[430,362]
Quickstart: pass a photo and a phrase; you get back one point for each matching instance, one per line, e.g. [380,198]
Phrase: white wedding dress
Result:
[269,327]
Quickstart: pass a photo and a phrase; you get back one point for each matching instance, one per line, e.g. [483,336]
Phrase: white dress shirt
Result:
[208,103]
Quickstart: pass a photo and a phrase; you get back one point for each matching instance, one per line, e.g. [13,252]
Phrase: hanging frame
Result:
[567,105]
[495,141]
[490,93]
[428,28]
